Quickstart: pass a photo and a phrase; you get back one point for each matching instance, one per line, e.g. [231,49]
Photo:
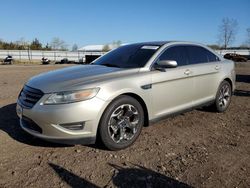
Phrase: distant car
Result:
[65,61]
[235,57]
[124,90]
[45,61]
[8,60]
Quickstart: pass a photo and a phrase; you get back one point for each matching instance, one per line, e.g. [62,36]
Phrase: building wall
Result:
[52,55]
[75,56]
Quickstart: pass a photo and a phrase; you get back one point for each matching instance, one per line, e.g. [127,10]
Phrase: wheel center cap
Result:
[124,123]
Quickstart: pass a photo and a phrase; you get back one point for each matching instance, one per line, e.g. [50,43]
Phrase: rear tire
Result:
[121,123]
[223,97]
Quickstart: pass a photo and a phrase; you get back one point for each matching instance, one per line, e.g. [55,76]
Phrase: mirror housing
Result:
[163,64]
[167,64]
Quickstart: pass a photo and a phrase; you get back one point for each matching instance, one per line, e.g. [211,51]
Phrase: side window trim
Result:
[188,56]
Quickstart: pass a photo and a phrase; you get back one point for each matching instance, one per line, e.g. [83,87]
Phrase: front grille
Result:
[29,96]
[31,125]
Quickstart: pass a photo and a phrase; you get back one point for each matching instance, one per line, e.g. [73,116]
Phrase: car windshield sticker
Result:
[150,47]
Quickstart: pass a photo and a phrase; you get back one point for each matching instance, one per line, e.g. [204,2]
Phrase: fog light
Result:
[73,126]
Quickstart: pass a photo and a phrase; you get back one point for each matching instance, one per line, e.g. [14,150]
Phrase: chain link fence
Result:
[32,55]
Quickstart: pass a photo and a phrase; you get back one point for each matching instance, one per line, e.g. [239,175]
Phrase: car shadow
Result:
[9,123]
[243,78]
[137,176]
[242,93]
[70,178]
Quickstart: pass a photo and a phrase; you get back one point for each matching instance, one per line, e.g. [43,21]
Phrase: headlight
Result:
[71,96]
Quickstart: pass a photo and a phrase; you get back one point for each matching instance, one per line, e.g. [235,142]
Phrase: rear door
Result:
[205,70]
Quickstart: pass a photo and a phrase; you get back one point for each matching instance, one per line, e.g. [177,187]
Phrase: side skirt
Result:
[155,120]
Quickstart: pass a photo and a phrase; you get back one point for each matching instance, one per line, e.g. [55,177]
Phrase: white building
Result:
[96,48]
[92,48]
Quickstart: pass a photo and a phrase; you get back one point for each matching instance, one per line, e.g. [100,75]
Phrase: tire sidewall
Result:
[218,107]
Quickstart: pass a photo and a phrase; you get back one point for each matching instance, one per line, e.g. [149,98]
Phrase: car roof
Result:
[161,43]
[154,43]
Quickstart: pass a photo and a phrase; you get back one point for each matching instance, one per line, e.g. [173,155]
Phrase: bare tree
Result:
[227,31]
[23,43]
[58,44]
[106,48]
[74,48]
[36,45]
[116,44]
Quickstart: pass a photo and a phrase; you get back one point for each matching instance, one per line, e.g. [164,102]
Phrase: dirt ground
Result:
[195,149]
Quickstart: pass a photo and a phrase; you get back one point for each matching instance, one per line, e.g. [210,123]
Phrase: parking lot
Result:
[198,149]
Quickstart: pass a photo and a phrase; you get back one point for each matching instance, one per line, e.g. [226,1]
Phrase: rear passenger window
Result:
[199,54]
[212,57]
[176,53]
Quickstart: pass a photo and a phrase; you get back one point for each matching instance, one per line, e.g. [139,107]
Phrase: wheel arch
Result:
[136,97]
[143,104]
[229,81]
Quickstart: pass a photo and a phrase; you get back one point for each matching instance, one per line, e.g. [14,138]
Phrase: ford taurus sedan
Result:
[124,90]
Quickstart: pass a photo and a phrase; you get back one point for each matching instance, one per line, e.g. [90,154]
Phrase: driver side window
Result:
[176,53]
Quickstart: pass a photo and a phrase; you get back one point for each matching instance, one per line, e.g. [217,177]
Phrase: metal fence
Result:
[52,55]
[75,56]
[241,52]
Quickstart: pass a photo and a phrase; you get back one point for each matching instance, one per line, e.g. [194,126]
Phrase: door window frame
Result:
[184,45]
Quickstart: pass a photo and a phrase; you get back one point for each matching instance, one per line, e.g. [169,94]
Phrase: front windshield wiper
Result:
[109,65]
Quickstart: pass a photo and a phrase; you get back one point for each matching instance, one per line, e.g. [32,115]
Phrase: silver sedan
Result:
[124,90]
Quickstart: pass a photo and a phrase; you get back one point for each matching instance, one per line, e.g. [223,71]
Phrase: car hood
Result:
[76,77]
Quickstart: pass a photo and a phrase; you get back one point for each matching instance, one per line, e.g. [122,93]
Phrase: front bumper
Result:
[45,121]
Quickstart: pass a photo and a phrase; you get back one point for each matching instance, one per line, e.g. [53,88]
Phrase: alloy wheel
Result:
[123,123]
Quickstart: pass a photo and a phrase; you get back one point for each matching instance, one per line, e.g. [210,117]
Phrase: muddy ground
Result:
[197,149]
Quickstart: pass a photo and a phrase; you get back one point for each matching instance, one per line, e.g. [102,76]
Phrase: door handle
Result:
[187,72]
[217,67]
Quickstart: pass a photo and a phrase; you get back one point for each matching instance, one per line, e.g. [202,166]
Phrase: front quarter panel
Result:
[131,84]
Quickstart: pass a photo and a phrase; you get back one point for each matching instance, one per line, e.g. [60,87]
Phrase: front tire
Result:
[223,97]
[121,123]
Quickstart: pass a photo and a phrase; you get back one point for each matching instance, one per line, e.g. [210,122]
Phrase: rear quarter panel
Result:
[228,72]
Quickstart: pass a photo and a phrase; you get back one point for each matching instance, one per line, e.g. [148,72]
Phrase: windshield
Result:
[128,56]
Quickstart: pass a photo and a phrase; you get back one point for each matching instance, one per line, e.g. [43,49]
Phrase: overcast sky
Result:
[99,22]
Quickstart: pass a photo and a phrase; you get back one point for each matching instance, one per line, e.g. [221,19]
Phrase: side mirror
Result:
[163,64]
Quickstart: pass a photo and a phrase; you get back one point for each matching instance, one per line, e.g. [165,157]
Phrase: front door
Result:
[173,89]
